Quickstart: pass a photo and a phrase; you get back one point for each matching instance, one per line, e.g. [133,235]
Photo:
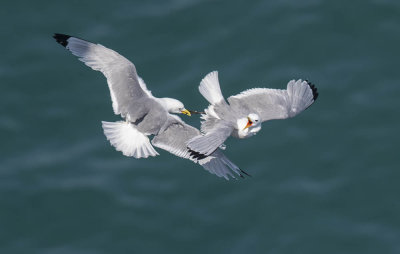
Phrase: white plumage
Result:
[209,88]
[128,140]
[242,114]
[144,114]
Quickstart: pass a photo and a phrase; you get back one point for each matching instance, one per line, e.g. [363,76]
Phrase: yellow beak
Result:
[249,123]
[186,112]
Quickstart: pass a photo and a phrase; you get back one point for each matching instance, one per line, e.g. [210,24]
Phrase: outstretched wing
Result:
[209,142]
[210,89]
[121,75]
[275,103]
[174,138]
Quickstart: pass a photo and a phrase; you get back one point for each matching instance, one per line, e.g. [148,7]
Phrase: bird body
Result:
[144,115]
[242,114]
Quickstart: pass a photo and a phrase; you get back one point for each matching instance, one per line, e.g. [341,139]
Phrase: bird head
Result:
[174,106]
[253,120]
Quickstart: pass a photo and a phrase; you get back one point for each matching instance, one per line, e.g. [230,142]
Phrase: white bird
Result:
[144,114]
[243,116]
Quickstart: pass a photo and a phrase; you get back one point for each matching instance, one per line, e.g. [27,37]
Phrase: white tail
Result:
[127,139]
[209,88]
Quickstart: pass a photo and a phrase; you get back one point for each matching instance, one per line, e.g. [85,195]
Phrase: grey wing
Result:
[275,103]
[154,117]
[121,75]
[209,142]
[174,138]
[218,164]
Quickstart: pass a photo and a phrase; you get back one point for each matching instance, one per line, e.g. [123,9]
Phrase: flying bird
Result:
[241,116]
[144,115]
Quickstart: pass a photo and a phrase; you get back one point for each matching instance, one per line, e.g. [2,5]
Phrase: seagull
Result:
[242,115]
[144,115]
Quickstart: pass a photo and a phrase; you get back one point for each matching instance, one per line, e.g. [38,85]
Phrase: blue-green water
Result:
[326,181]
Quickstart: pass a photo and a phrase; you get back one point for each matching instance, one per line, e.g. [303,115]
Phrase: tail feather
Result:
[210,89]
[128,140]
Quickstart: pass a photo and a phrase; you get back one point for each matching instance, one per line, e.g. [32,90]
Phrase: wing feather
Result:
[174,139]
[276,103]
[122,78]
[209,142]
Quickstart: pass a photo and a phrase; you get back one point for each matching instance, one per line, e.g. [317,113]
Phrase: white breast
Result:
[241,132]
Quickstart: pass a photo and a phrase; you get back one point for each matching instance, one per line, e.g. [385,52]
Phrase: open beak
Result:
[186,112]
[249,123]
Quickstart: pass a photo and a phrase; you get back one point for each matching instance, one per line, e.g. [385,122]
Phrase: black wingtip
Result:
[197,155]
[62,39]
[244,172]
[314,90]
